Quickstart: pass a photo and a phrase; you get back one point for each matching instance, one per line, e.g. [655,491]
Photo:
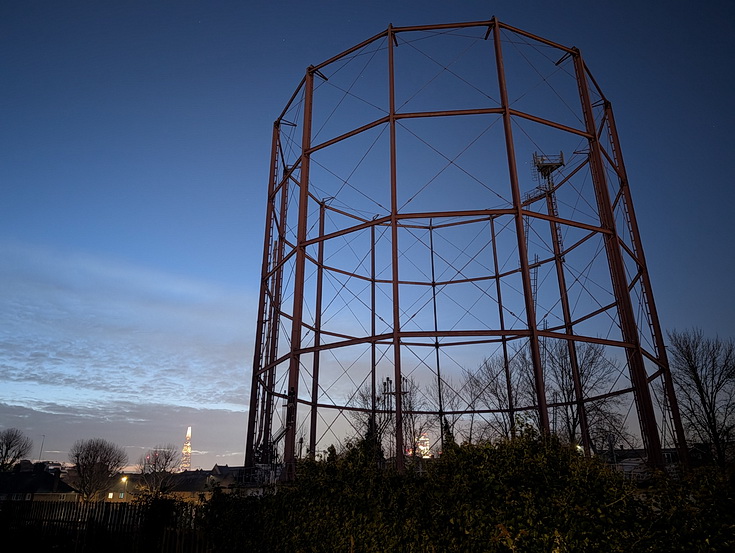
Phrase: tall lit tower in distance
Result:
[186,452]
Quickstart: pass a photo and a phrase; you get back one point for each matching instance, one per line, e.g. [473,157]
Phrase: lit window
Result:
[122,495]
[110,495]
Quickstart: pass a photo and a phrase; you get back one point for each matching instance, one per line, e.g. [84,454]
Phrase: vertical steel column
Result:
[503,340]
[394,253]
[681,443]
[436,339]
[271,353]
[538,370]
[257,353]
[373,353]
[566,313]
[317,334]
[628,327]
[289,447]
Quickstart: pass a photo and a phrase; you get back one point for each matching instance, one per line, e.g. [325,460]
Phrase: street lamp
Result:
[125,493]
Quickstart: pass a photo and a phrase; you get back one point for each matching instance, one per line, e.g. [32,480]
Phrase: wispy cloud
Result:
[85,336]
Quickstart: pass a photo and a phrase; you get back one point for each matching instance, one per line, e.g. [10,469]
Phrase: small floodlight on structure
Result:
[545,164]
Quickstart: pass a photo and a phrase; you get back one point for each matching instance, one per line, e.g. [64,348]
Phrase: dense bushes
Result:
[527,494]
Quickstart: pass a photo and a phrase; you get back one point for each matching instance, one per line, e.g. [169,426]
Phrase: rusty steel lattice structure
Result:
[450,238]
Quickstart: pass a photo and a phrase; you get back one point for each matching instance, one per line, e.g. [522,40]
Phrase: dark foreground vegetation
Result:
[155,525]
[526,495]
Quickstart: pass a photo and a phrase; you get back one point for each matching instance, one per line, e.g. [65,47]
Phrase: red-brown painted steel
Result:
[259,334]
[538,371]
[398,375]
[626,316]
[504,341]
[294,367]
[317,337]
[680,436]
[302,338]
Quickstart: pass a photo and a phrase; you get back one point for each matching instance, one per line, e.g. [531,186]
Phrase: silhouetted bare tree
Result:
[450,395]
[96,462]
[596,375]
[362,420]
[703,371]
[157,468]
[14,446]
[415,423]
[496,385]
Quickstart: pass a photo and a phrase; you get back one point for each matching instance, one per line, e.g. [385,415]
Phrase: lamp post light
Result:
[125,493]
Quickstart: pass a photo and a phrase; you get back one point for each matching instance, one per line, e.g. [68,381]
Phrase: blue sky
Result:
[134,148]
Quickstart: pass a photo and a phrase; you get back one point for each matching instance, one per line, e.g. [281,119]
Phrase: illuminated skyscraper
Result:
[186,452]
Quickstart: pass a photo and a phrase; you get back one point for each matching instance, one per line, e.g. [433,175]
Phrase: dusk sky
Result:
[134,151]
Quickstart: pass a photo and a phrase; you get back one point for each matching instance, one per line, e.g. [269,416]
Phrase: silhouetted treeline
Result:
[527,494]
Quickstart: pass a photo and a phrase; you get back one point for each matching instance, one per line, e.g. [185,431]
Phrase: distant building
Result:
[32,482]
[190,485]
[186,452]
[423,447]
